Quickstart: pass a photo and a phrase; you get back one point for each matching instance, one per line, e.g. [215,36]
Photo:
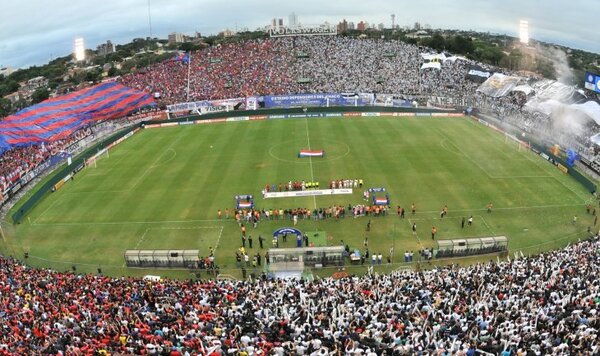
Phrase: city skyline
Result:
[50,33]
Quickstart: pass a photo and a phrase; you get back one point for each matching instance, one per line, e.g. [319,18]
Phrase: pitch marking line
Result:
[531,159]
[143,237]
[155,163]
[410,222]
[45,211]
[35,223]
[312,173]
[485,170]
[129,223]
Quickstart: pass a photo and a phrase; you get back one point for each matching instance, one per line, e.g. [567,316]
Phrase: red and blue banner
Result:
[59,117]
[311,153]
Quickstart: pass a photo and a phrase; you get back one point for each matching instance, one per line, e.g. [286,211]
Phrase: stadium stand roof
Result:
[59,117]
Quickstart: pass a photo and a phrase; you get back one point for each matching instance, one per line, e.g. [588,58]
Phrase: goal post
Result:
[513,140]
[92,161]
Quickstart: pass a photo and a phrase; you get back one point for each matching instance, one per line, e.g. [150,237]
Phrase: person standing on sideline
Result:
[366,242]
[401,213]
[260,241]
[413,208]
[295,220]
[470,221]
[369,225]
[243,241]
[433,232]
[574,220]
[243,228]
[250,241]
[219,214]
[490,206]
[414,228]
[462,223]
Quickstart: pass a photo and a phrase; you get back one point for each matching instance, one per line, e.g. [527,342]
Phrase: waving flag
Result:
[59,117]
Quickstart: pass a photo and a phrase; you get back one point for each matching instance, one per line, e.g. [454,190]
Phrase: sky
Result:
[34,31]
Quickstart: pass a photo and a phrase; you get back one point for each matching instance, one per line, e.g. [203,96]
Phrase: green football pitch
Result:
[161,189]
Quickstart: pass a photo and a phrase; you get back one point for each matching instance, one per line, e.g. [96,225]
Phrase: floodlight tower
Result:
[79,49]
[524,32]
[393,21]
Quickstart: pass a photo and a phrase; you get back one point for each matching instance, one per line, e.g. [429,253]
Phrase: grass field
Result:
[161,189]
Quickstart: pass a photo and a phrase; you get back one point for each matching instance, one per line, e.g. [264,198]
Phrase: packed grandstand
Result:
[539,305]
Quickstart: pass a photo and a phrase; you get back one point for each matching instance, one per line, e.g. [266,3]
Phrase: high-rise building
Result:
[381,26]
[351,26]
[176,37]
[393,21]
[293,20]
[361,26]
[105,48]
[276,23]
[342,26]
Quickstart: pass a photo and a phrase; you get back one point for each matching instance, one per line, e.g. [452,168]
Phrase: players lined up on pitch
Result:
[304,185]
[254,216]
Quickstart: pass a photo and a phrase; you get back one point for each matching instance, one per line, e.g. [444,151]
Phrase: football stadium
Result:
[304,192]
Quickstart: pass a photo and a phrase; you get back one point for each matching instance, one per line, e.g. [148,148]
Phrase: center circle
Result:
[287,151]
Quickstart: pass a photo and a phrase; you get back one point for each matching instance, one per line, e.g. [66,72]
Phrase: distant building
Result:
[37,82]
[176,37]
[362,26]
[292,20]
[105,48]
[351,26]
[6,71]
[381,27]
[342,26]
[13,97]
[276,23]
[227,33]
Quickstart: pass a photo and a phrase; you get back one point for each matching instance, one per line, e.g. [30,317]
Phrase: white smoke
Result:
[558,57]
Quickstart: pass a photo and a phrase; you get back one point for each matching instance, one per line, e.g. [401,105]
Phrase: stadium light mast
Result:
[79,49]
[524,32]
[149,20]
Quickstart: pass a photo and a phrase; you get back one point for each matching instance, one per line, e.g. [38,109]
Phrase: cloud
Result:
[30,31]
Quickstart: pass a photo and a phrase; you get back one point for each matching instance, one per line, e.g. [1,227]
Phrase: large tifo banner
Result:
[328,99]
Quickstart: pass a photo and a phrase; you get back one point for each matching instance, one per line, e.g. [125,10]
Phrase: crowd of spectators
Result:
[18,161]
[329,64]
[546,304]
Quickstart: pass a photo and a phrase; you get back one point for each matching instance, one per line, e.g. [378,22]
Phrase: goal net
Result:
[92,161]
[514,141]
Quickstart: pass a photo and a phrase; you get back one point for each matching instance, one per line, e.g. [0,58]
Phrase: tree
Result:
[462,45]
[113,72]
[40,95]
[437,42]
[5,107]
